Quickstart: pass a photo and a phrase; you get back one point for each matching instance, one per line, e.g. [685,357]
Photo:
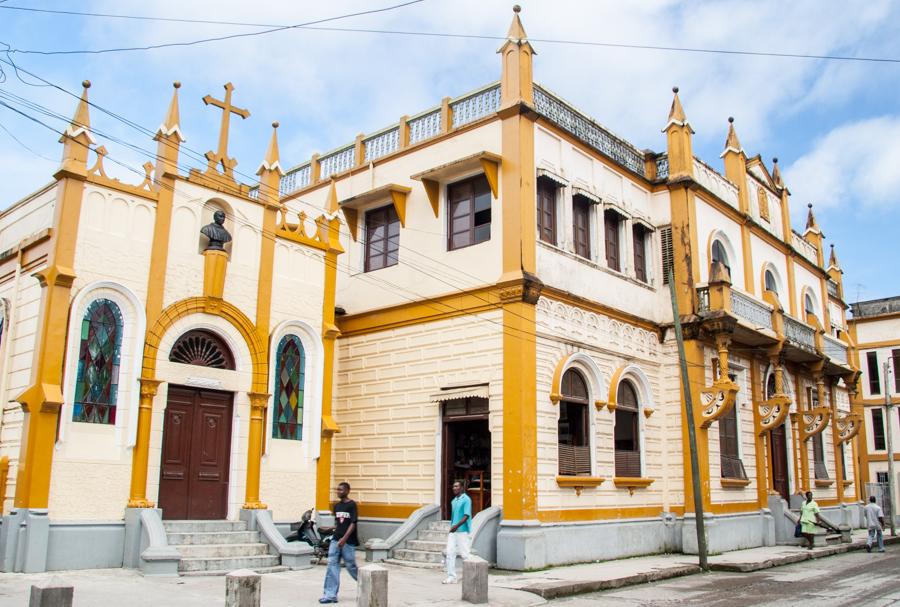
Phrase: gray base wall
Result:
[79,545]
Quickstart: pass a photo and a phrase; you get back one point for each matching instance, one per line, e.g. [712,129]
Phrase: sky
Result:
[834,125]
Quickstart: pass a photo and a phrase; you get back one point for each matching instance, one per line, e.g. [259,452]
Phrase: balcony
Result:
[835,349]
[799,334]
[748,309]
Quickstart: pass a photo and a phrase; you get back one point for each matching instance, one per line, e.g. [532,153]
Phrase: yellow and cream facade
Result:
[481,291]
[875,327]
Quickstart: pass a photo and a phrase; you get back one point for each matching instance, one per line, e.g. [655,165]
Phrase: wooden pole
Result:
[692,434]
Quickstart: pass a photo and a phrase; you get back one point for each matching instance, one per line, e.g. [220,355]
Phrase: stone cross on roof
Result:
[221,155]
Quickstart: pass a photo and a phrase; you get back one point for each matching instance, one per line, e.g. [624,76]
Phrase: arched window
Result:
[290,373]
[574,426]
[808,305]
[627,431]
[770,386]
[771,285]
[719,254]
[203,349]
[97,383]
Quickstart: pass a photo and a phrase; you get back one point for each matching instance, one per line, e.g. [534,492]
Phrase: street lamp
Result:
[888,405]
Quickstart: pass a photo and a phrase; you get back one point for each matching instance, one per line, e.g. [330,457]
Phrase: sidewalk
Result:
[407,587]
[578,579]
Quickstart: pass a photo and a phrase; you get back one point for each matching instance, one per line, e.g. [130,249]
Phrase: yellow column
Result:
[140,455]
[258,403]
[168,139]
[762,470]
[329,335]
[42,400]
[518,217]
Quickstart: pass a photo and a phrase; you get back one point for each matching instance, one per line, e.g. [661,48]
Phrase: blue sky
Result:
[834,125]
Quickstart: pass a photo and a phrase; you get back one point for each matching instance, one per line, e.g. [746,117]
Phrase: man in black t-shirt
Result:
[343,544]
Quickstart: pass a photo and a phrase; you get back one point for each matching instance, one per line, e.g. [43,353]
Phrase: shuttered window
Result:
[546,210]
[470,212]
[382,238]
[665,242]
[639,234]
[874,376]
[895,354]
[627,432]
[581,226]
[611,222]
[878,429]
[573,427]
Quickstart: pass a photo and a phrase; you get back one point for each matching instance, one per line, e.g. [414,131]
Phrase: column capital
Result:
[259,400]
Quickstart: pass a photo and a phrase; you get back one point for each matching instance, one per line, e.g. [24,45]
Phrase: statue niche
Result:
[216,233]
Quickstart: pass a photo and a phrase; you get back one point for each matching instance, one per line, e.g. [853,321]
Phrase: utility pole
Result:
[889,406]
[692,434]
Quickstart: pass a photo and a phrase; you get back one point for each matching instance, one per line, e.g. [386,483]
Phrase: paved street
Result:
[855,578]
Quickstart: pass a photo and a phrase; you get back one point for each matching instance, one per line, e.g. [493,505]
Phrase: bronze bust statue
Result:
[216,232]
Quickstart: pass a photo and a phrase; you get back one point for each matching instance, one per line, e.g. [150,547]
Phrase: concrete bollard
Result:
[51,593]
[243,588]
[373,587]
[475,580]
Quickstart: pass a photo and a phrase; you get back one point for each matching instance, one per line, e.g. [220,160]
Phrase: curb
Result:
[554,590]
[559,589]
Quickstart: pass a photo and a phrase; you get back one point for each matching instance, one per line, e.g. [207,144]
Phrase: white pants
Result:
[457,543]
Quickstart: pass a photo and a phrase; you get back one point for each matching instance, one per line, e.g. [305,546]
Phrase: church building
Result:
[481,291]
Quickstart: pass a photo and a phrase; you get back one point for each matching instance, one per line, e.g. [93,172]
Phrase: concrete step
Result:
[203,526]
[439,526]
[213,537]
[413,564]
[276,569]
[833,539]
[228,563]
[426,545]
[210,551]
[418,556]
[433,536]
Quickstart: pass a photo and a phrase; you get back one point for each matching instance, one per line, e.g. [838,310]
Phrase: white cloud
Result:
[854,162]
[325,87]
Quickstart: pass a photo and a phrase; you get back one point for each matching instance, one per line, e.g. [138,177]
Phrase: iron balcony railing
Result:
[835,349]
[756,313]
[799,334]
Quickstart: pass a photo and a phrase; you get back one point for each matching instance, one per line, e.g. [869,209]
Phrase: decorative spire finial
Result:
[833,260]
[811,223]
[676,112]
[776,173]
[516,31]
[732,143]
[271,161]
[170,125]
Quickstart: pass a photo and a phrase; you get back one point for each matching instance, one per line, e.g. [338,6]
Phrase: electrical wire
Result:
[311,26]
[272,30]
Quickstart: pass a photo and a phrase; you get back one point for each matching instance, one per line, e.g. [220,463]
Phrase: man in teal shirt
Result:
[458,539]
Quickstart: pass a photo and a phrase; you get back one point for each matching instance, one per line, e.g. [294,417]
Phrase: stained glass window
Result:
[290,368]
[98,364]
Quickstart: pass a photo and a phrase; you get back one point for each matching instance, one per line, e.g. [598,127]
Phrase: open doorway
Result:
[466,452]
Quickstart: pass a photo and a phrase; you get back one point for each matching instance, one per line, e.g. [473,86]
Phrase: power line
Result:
[280,28]
[311,26]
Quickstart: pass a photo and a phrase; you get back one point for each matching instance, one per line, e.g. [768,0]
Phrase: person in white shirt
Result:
[875,521]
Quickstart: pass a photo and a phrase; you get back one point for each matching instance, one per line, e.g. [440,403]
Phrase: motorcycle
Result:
[306,531]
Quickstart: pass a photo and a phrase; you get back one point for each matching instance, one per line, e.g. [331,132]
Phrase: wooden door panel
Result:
[196,454]
[176,454]
[779,461]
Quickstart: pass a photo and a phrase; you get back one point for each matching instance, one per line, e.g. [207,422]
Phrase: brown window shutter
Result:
[640,253]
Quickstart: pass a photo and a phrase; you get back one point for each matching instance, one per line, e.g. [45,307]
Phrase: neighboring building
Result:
[500,268]
[875,328]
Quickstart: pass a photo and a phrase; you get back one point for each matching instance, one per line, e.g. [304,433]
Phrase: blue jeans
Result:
[333,572]
[874,533]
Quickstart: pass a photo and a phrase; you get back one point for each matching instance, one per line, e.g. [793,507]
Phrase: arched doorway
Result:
[778,458]
[196,445]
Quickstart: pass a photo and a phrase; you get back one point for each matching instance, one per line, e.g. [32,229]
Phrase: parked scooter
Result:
[306,531]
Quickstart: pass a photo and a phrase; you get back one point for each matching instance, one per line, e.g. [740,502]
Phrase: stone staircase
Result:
[217,547]
[427,550]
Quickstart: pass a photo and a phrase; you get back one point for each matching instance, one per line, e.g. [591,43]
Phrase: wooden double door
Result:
[196,453]
[779,460]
